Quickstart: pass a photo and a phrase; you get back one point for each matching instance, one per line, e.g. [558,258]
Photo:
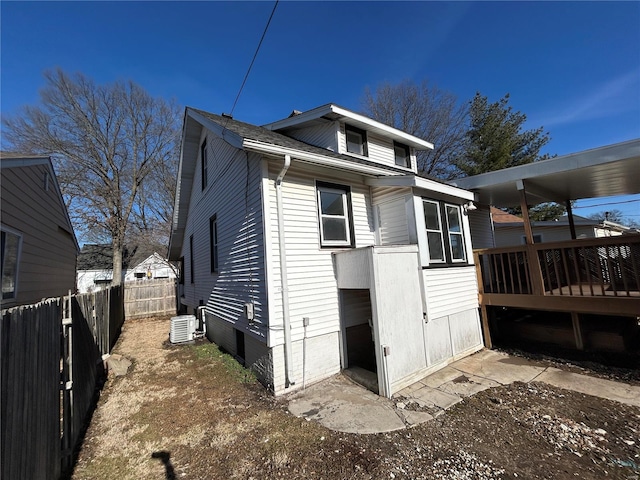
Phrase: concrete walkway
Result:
[339,404]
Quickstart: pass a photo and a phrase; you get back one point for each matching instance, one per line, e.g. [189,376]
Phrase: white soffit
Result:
[600,172]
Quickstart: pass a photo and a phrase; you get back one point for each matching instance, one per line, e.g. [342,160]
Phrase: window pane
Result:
[457,246]
[453,217]
[354,142]
[431,218]
[402,155]
[436,252]
[334,229]
[9,264]
[331,203]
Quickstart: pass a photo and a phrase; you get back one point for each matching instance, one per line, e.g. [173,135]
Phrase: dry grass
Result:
[192,412]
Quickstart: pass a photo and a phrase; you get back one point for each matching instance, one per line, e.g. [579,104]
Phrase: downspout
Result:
[283,274]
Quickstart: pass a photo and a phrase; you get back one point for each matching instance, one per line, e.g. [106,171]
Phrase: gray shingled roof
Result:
[261,134]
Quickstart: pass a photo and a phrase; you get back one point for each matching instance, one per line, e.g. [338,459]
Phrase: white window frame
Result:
[14,293]
[460,233]
[444,255]
[344,192]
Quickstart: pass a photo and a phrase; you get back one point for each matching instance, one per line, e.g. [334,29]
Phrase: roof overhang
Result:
[412,181]
[600,172]
[334,112]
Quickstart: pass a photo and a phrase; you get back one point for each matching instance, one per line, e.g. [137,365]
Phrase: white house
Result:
[152,267]
[313,246]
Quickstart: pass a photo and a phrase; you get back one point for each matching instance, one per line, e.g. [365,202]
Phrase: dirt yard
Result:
[192,412]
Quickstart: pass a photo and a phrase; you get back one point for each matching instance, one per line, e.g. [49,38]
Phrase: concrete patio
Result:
[342,405]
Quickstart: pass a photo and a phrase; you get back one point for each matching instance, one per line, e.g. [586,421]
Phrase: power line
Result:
[254,57]
[609,203]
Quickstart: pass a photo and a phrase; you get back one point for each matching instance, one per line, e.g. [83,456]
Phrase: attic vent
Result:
[294,113]
[227,115]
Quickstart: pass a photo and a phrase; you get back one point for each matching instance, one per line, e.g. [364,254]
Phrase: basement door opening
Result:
[358,340]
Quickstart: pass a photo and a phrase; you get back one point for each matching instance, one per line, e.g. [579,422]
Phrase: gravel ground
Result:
[191,412]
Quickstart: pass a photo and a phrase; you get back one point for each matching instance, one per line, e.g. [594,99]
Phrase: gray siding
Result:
[512,236]
[233,194]
[48,254]
[481,228]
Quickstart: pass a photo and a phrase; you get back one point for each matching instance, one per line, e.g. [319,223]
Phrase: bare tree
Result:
[426,112]
[106,141]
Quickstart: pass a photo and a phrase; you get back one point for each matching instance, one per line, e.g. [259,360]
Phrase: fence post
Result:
[67,382]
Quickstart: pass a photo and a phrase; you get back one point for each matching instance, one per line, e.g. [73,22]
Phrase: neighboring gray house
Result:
[510,231]
[313,246]
[39,247]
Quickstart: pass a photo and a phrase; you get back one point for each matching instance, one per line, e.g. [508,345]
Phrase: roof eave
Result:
[356,118]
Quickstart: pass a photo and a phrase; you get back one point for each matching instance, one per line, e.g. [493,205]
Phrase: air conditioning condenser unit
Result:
[183,328]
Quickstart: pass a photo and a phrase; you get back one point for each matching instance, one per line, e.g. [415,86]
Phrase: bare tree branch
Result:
[108,142]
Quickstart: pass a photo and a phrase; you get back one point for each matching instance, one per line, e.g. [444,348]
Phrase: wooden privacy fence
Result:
[51,361]
[145,298]
[103,311]
[30,413]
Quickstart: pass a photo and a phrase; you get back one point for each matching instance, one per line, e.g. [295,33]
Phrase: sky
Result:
[571,67]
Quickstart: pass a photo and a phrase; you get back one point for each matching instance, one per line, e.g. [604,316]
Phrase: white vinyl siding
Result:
[47,266]
[379,149]
[323,135]
[393,222]
[312,288]
[450,290]
[240,276]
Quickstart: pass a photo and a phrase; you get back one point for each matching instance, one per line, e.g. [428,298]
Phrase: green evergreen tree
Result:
[495,139]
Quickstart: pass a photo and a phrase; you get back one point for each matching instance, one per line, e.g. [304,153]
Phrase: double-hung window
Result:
[204,163]
[445,238]
[356,140]
[213,243]
[334,215]
[10,259]
[402,155]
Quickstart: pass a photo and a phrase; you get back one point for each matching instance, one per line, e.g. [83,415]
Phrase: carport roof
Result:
[600,172]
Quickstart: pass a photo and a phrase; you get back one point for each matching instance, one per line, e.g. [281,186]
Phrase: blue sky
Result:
[572,67]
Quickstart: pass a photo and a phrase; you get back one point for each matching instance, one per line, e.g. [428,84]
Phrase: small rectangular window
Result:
[204,164]
[191,262]
[334,215]
[356,140]
[433,225]
[213,243]
[181,267]
[10,250]
[402,154]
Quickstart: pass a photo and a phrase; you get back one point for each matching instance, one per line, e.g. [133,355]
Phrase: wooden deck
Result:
[586,276]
